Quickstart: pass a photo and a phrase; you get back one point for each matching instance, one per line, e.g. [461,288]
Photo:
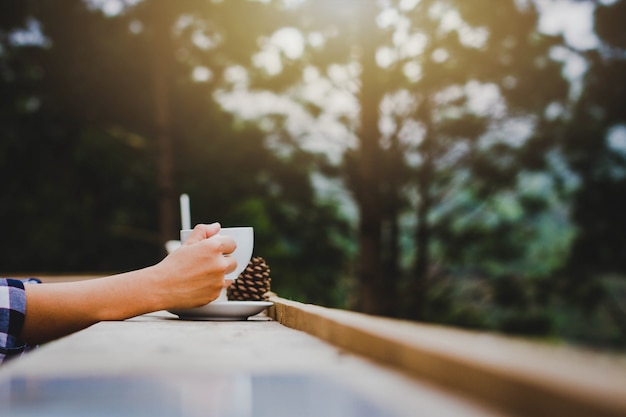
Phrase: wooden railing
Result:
[519,377]
[516,376]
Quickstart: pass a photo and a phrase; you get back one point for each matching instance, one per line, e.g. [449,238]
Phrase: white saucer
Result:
[223,310]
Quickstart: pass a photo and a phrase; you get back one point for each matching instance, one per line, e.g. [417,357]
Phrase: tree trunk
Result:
[394,166]
[162,26]
[423,231]
[391,267]
[370,268]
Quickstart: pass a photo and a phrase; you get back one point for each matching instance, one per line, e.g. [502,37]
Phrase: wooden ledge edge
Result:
[519,377]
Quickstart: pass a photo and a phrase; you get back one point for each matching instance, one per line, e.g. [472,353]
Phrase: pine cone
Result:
[253,283]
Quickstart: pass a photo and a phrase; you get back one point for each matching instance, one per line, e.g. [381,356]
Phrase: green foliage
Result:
[463,219]
[80,164]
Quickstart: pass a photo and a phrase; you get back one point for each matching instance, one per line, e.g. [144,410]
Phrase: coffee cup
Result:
[244,238]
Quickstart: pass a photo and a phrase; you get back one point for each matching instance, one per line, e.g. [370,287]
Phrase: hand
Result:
[193,275]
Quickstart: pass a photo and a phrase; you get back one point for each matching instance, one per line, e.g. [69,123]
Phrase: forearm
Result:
[189,277]
[56,310]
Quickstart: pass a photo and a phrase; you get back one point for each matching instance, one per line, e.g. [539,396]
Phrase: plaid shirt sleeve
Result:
[12,313]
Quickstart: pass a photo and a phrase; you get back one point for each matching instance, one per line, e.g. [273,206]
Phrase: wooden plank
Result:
[163,348]
[520,377]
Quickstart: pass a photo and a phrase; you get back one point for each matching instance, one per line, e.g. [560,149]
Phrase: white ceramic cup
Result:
[244,237]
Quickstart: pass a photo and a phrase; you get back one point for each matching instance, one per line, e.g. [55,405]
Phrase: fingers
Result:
[209,250]
[201,232]
[225,265]
[204,232]
[227,244]
[216,251]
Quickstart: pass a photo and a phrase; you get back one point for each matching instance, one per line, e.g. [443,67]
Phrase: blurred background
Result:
[452,161]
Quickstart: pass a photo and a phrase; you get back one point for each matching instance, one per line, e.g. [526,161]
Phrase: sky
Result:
[572,19]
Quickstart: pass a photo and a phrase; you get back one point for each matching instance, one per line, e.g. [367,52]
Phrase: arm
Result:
[189,277]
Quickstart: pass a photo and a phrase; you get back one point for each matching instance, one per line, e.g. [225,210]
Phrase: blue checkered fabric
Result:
[12,313]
